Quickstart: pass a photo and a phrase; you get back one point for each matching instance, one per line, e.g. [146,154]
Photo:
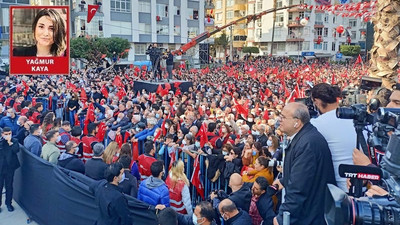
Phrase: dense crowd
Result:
[236,116]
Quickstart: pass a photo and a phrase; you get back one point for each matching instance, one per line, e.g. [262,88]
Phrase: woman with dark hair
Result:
[50,34]
[261,169]
[73,106]
[48,122]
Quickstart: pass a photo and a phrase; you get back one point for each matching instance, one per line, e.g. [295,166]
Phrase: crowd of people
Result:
[240,117]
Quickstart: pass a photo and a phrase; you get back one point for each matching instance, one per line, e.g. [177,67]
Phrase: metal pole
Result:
[286,218]
[273,28]
[231,47]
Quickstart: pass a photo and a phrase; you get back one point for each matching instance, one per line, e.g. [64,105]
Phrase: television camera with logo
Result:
[353,208]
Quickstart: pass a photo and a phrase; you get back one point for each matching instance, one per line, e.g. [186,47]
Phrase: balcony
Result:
[294,23]
[296,9]
[319,24]
[209,23]
[239,7]
[294,38]
[318,36]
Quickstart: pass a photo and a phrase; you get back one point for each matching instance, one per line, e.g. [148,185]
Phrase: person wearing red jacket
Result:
[88,141]
[145,160]
[76,133]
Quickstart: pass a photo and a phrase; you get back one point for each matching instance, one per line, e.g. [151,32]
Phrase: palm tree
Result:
[384,60]
[222,41]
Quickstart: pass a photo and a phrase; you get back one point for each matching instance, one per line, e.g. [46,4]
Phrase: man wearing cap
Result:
[94,167]
[88,141]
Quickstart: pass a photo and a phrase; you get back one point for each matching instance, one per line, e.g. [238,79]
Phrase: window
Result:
[352,23]
[162,10]
[317,46]
[334,19]
[278,32]
[162,29]
[326,18]
[177,11]
[218,16]
[192,32]
[279,4]
[259,33]
[318,17]
[290,17]
[353,35]
[334,46]
[144,7]
[177,30]
[259,6]
[218,4]
[83,27]
[325,32]
[121,5]
[301,14]
[306,31]
[259,24]
[325,47]
[144,28]
[318,31]
[306,45]
[100,25]
[229,15]
[230,3]
[279,17]
[140,49]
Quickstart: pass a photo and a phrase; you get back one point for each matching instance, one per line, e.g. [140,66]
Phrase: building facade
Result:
[170,23]
[318,38]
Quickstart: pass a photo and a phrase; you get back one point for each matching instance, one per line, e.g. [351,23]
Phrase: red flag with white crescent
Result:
[92,9]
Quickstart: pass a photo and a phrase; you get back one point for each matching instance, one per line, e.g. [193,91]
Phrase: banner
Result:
[55,196]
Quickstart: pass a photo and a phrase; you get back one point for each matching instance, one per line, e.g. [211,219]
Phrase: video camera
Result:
[309,103]
[354,95]
[342,209]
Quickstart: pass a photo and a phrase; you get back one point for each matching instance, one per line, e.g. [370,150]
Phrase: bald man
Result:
[241,193]
[307,169]
[233,215]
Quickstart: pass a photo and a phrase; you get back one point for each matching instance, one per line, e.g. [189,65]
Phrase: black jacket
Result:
[308,168]
[263,139]
[25,51]
[265,208]
[242,197]
[129,186]
[71,162]
[94,168]
[113,205]
[188,220]
[8,156]
[21,134]
[241,218]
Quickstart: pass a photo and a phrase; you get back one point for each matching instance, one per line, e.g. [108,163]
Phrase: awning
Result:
[322,55]
[309,57]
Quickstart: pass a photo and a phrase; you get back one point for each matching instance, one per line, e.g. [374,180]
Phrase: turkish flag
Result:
[203,135]
[196,181]
[92,9]
[157,135]
[118,139]
[102,131]
[104,91]
[121,93]
[117,81]
[159,89]
[90,113]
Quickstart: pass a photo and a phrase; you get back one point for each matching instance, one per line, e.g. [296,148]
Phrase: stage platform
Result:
[150,86]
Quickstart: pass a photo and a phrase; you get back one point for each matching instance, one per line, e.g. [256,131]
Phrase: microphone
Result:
[360,172]
[357,174]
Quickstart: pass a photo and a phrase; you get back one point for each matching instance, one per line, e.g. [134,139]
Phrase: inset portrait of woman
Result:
[49,34]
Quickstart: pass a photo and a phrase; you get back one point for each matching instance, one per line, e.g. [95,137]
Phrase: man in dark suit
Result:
[307,168]
[263,139]
[9,148]
[129,184]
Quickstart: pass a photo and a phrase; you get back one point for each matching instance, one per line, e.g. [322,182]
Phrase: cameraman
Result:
[154,54]
[359,157]
[339,133]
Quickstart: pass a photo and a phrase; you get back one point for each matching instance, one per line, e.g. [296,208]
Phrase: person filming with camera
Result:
[339,133]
